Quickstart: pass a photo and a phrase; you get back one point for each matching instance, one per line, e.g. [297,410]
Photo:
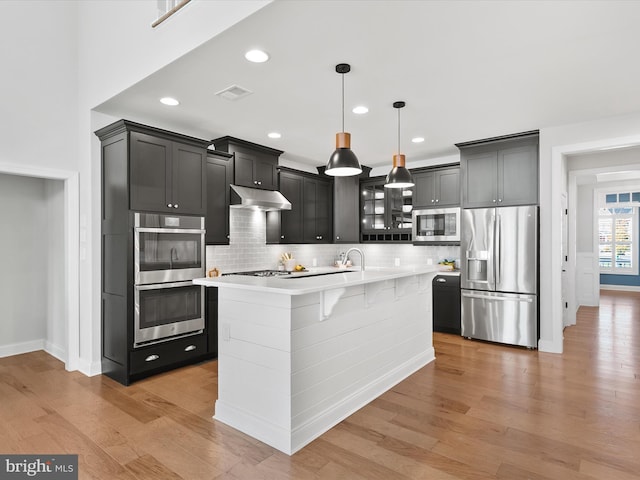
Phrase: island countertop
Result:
[315,279]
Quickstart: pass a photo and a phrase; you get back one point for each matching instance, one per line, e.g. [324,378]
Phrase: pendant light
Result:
[343,162]
[399,176]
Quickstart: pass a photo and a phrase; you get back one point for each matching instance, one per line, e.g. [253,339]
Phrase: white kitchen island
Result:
[298,354]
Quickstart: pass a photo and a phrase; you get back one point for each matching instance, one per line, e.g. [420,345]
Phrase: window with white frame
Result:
[618,233]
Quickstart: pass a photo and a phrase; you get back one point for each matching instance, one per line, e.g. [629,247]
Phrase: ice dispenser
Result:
[477,265]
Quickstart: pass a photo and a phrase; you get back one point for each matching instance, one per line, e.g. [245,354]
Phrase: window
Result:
[618,237]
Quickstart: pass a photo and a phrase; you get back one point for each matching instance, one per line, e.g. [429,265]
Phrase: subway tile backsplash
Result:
[247,249]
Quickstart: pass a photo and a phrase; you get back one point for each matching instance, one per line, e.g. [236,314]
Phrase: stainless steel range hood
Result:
[256,199]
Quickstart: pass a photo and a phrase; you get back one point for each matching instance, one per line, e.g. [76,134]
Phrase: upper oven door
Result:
[168,254]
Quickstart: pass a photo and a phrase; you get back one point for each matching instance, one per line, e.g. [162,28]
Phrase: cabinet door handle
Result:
[337,237]
[255,182]
[151,358]
[432,200]
[282,237]
[499,200]
[175,206]
[189,348]
[170,205]
[494,200]
[437,200]
[227,235]
[259,182]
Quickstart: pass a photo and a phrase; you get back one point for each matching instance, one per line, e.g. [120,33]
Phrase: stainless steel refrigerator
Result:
[499,274]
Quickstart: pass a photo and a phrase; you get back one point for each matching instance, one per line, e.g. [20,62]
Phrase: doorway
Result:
[589,174]
[57,205]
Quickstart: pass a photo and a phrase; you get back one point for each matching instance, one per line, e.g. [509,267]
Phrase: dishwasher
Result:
[446,304]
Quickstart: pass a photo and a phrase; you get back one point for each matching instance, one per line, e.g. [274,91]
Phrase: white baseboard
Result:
[622,288]
[55,351]
[19,348]
[89,368]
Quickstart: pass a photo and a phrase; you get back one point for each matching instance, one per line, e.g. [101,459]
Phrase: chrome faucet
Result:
[346,256]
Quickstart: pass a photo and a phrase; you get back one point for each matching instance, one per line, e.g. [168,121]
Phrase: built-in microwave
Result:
[436,225]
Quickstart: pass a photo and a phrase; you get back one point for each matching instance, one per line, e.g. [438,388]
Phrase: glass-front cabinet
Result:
[386,212]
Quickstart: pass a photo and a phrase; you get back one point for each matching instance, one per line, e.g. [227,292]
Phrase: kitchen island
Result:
[298,354]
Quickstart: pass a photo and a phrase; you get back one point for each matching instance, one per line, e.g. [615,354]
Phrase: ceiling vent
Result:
[234,92]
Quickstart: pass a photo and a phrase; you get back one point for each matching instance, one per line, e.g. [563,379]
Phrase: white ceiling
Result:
[466,69]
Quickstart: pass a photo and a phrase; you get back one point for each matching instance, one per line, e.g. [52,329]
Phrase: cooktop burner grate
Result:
[261,273]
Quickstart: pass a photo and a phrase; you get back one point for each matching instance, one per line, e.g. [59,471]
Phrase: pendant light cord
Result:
[342,102]
[398,131]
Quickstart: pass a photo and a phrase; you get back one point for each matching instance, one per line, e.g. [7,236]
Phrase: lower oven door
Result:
[167,310]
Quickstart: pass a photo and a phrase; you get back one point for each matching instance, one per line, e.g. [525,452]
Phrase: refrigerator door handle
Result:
[497,298]
[498,249]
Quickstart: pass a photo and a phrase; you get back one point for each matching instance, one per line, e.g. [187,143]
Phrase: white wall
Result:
[555,144]
[32,258]
[56,278]
[584,219]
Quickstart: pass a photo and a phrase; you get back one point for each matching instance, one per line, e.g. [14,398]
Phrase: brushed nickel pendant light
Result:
[343,162]
[399,176]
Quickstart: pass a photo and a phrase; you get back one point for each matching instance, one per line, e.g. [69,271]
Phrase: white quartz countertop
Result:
[314,280]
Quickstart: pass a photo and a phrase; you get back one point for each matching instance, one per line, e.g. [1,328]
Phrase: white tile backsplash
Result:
[247,249]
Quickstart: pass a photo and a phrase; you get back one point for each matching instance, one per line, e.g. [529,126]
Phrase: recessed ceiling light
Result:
[256,56]
[360,110]
[417,139]
[274,135]
[172,102]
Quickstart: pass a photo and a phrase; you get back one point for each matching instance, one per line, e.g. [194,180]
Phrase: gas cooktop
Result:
[261,273]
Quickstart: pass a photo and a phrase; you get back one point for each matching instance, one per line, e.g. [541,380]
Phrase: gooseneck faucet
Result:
[354,249]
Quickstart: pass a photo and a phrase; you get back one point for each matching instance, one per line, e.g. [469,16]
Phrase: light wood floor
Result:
[480,411]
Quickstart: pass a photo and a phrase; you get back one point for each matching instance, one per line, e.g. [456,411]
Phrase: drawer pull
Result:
[188,348]
[151,358]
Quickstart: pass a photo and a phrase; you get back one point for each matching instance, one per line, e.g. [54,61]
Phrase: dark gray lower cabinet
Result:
[156,358]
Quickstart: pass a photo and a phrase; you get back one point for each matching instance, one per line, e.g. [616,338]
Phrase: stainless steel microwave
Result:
[436,225]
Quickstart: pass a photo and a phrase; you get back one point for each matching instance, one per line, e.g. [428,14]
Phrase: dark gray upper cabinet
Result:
[500,172]
[385,212]
[219,177]
[346,214]
[166,170]
[254,165]
[437,187]
[291,220]
[317,222]
[311,215]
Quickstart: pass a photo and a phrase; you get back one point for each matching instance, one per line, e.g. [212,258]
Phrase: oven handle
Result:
[169,230]
[158,286]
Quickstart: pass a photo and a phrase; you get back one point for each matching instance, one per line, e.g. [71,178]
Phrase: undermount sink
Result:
[316,274]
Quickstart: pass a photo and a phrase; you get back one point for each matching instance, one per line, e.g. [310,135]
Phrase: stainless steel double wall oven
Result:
[169,252]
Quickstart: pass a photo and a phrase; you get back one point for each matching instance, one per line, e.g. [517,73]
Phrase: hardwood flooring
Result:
[480,411]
